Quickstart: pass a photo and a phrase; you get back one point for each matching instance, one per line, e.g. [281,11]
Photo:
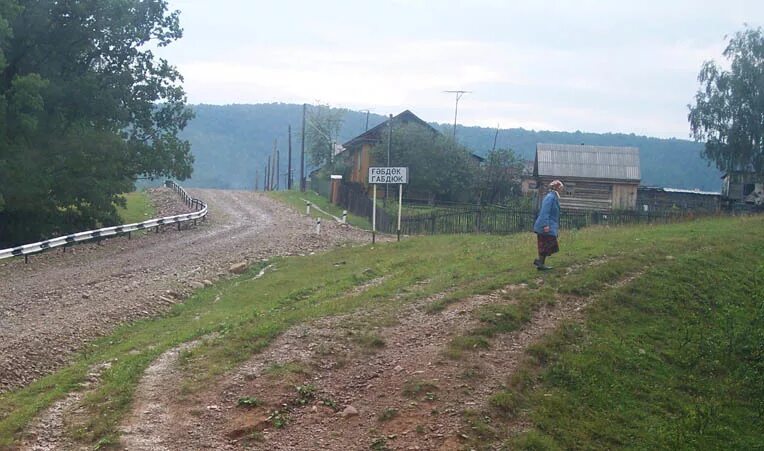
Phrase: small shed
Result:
[596,178]
[651,199]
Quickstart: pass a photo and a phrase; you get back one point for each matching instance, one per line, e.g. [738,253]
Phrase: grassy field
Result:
[138,208]
[671,360]
[674,360]
[666,359]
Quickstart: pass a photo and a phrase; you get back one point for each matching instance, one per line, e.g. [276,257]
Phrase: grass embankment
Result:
[239,317]
[297,200]
[671,360]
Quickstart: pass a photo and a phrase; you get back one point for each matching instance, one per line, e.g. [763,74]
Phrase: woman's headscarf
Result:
[556,184]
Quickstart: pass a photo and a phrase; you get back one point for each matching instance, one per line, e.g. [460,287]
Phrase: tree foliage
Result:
[322,131]
[729,107]
[85,109]
[499,176]
[438,168]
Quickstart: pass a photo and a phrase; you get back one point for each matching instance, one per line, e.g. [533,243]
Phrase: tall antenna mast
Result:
[459,95]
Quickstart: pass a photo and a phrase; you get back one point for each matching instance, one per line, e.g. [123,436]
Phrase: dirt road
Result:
[50,307]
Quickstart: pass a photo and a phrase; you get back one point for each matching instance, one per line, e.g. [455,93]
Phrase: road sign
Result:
[385,175]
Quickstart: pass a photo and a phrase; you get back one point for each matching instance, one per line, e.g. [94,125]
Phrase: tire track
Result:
[52,306]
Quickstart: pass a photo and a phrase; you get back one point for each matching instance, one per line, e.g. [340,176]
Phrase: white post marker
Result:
[344,216]
[318,226]
[374,217]
[307,203]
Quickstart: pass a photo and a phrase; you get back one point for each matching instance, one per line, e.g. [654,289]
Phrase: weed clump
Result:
[248,401]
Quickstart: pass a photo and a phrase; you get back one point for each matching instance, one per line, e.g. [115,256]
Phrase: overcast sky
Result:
[596,66]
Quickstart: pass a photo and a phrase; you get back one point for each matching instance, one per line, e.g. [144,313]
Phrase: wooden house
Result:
[528,183]
[357,152]
[596,178]
[743,187]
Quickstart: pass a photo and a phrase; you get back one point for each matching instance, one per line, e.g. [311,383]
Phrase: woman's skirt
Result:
[547,245]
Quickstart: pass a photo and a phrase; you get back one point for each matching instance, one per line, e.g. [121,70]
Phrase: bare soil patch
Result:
[50,307]
[377,379]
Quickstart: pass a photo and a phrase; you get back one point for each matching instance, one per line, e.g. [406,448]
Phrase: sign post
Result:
[400,206]
[374,217]
[334,188]
[387,175]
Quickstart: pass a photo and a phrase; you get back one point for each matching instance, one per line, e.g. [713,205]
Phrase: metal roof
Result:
[599,162]
[691,191]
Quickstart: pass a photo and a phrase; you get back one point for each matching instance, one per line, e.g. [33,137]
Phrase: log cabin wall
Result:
[596,178]
[593,195]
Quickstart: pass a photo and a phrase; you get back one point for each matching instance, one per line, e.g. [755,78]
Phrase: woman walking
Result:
[547,225]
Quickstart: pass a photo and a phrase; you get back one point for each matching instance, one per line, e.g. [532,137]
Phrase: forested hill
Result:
[232,142]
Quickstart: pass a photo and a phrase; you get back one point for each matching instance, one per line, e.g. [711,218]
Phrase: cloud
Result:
[344,76]
[588,65]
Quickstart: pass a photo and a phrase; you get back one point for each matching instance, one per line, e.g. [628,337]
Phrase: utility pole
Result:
[368,111]
[257,178]
[275,168]
[459,95]
[289,165]
[268,175]
[389,144]
[302,151]
[496,135]
[265,177]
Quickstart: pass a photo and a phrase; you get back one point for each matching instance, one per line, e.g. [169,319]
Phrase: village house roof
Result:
[374,134]
[583,161]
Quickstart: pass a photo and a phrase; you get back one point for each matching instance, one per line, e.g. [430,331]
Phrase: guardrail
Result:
[28,249]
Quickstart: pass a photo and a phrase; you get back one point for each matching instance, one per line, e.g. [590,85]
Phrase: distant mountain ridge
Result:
[231,144]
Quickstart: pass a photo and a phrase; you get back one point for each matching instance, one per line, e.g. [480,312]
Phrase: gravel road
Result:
[52,306]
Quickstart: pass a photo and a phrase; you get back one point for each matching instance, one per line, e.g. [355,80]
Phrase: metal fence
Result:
[321,186]
[498,220]
[107,232]
[484,219]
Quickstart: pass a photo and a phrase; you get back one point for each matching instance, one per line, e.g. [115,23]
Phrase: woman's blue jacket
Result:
[549,215]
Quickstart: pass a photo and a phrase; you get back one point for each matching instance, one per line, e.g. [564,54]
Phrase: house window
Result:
[748,188]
